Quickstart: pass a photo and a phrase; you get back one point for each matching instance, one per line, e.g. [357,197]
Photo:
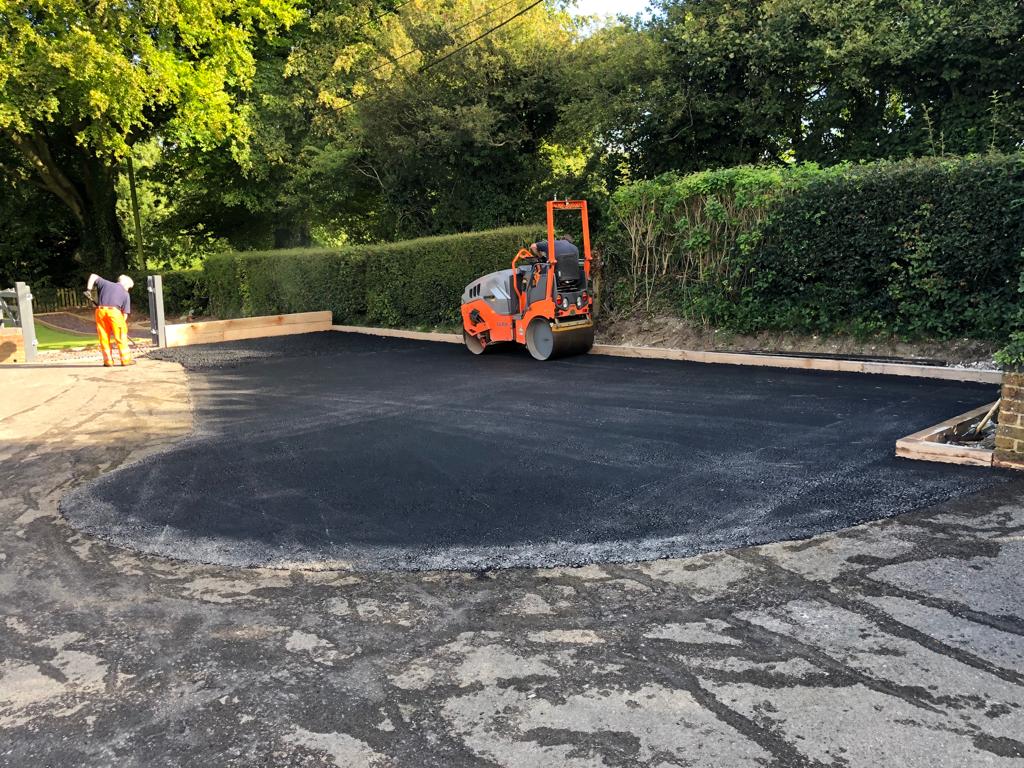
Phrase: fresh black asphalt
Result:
[375,453]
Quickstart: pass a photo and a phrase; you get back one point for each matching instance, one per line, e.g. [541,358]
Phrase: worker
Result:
[567,260]
[113,306]
[563,247]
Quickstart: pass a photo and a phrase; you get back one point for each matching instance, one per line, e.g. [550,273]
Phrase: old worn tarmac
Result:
[895,643]
[385,453]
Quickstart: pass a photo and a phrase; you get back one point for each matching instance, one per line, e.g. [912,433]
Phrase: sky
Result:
[606,7]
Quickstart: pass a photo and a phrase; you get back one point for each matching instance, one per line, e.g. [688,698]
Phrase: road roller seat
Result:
[567,269]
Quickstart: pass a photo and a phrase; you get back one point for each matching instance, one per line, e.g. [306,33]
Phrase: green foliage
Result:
[351,141]
[167,244]
[81,81]
[407,283]
[925,248]
[1011,357]
[295,176]
[713,83]
[223,285]
[466,144]
[688,234]
[289,123]
[184,293]
[107,69]
[37,238]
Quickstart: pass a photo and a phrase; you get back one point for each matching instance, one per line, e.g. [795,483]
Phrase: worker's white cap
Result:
[126,282]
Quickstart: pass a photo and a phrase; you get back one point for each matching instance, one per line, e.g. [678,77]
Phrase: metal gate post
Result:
[28,326]
[157,330]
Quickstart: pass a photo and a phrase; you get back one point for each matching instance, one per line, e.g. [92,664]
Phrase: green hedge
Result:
[920,248]
[184,293]
[408,283]
[927,248]
[682,235]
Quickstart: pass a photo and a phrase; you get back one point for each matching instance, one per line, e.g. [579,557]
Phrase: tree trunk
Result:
[85,184]
[102,235]
[294,235]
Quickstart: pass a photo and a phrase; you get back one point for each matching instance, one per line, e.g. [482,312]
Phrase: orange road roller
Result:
[544,301]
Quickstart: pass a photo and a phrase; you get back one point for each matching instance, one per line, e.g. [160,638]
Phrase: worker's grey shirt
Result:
[112,294]
[562,248]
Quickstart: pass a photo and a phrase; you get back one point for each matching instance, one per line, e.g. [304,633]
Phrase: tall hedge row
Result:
[184,293]
[929,248]
[408,283]
[920,248]
[686,232]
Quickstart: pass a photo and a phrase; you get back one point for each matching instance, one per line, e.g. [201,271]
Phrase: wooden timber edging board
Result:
[927,444]
[730,358]
[12,345]
[210,331]
[804,363]
[398,333]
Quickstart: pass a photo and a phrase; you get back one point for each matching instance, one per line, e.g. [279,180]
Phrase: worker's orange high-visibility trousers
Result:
[110,323]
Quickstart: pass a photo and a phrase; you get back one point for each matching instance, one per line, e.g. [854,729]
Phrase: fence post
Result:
[157,330]
[25,319]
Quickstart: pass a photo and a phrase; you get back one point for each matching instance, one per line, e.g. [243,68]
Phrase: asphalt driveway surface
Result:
[894,644]
[382,453]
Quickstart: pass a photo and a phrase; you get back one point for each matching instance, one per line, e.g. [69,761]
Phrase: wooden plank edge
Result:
[241,335]
[924,445]
[260,321]
[945,454]
[270,321]
[806,363]
[178,339]
[931,433]
[727,358]
[398,333]
[1007,464]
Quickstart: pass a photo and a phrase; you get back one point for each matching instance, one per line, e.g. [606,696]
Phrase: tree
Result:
[37,241]
[714,83]
[349,140]
[460,143]
[83,80]
[296,178]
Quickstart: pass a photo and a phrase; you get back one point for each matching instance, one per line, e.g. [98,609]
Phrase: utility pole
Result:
[135,214]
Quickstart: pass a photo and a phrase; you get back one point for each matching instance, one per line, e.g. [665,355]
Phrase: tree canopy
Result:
[288,122]
[713,83]
[82,80]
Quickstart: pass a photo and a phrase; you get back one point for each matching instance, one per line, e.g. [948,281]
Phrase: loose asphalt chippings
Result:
[381,453]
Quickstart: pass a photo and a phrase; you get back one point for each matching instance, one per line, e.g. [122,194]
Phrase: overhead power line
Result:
[411,51]
[478,38]
[464,46]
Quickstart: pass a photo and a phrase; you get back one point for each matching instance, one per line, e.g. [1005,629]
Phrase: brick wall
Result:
[1010,434]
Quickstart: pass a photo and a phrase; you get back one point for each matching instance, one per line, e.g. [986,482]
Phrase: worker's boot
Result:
[128,362]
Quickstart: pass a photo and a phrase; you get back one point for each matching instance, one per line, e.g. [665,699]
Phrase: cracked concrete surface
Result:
[897,643]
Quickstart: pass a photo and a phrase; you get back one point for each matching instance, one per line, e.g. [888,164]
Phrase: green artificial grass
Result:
[51,338]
